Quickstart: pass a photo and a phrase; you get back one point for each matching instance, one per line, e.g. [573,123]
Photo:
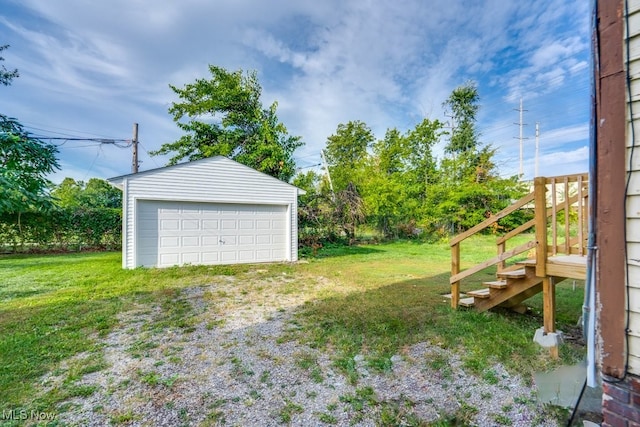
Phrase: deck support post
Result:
[455,269]
[549,308]
[549,311]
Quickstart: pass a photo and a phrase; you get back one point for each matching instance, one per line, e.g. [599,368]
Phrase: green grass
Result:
[391,297]
[54,306]
[375,301]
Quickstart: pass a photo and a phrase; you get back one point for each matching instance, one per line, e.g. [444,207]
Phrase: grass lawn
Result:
[385,297]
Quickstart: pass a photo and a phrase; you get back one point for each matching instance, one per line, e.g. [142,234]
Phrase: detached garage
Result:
[210,211]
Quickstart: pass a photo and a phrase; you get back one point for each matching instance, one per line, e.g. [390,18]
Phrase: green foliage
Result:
[95,193]
[463,103]
[24,162]
[226,118]
[6,75]
[401,173]
[315,211]
[84,215]
[402,189]
[456,207]
[62,228]
[346,153]
[24,165]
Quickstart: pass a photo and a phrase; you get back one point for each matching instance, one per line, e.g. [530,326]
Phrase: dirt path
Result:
[231,364]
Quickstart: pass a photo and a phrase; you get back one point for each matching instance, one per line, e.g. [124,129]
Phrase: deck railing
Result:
[560,220]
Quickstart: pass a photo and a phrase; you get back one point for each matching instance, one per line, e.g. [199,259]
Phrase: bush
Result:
[71,228]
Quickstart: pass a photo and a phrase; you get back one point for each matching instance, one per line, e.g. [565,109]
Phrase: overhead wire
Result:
[98,151]
[150,156]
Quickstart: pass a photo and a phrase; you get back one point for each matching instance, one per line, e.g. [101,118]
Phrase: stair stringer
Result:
[517,291]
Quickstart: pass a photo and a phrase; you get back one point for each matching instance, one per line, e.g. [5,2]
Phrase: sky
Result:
[90,69]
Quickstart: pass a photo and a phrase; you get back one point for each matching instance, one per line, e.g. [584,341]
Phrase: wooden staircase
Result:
[511,289]
[560,223]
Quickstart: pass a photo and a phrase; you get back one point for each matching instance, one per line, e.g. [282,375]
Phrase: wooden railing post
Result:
[502,246]
[540,201]
[455,269]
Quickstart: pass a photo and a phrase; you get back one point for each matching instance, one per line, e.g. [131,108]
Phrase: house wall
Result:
[215,180]
[633,194]
[621,383]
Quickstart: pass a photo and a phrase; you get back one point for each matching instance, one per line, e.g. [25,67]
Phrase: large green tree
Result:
[464,105]
[25,163]
[470,188]
[223,115]
[346,153]
[399,177]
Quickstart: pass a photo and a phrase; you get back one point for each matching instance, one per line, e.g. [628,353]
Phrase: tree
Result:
[97,193]
[316,210]
[469,189]
[6,76]
[349,210]
[347,153]
[224,117]
[24,165]
[463,103]
[398,177]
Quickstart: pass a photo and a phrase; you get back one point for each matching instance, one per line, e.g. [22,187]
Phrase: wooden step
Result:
[527,262]
[515,274]
[480,293]
[496,284]
[467,302]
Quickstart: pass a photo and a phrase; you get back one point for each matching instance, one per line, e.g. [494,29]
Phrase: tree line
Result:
[82,215]
[395,186]
[398,187]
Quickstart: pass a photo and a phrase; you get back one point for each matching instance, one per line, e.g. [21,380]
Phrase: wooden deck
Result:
[559,249]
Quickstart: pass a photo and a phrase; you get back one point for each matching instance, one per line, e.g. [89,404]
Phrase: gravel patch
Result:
[234,366]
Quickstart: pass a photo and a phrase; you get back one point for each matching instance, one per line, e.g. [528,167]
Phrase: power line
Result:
[150,156]
[50,131]
[120,143]
[98,151]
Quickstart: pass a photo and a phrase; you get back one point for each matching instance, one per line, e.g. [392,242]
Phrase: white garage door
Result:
[176,233]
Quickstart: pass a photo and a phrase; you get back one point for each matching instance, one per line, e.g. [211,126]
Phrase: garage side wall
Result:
[214,180]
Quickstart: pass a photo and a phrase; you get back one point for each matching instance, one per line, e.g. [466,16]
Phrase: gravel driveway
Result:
[234,365]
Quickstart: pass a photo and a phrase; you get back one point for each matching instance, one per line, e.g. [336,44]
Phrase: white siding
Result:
[212,180]
[633,196]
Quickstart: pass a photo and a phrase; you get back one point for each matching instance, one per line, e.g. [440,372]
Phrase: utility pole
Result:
[537,149]
[521,138]
[134,144]
[326,167]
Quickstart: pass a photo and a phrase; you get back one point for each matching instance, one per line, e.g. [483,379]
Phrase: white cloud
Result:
[102,65]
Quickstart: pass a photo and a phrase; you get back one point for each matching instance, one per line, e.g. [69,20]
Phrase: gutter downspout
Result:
[589,306]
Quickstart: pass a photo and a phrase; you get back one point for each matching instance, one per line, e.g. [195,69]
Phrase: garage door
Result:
[176,233]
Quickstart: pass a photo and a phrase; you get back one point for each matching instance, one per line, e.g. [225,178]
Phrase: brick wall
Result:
[621,403]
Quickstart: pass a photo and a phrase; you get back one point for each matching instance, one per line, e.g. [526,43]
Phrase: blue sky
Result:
[92,69]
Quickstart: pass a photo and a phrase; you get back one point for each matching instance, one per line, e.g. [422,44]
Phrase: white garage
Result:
[210,211]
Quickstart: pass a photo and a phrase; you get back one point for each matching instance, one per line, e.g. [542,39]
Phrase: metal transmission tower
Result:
[537,149]
[521,138]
